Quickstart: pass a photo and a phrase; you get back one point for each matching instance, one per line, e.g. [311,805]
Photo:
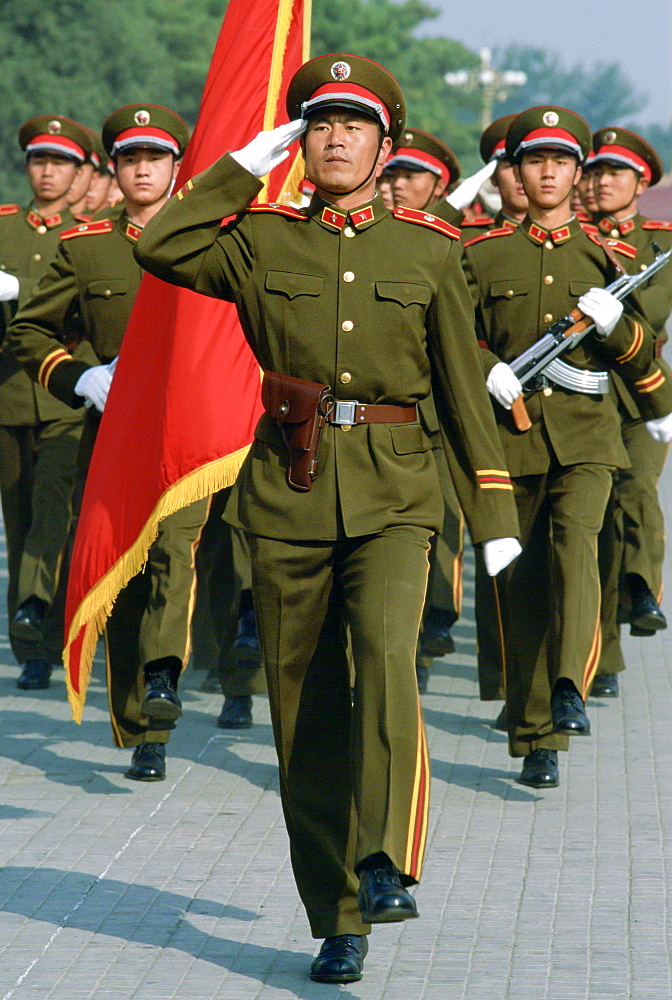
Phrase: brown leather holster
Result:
[300,409]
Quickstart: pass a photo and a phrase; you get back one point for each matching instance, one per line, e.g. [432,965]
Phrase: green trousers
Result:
[354,773]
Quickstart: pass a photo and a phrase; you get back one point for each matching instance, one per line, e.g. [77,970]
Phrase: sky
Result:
[637,34]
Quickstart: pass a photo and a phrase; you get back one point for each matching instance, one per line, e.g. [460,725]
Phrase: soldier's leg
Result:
[16,483]
[489,610]
[609,554]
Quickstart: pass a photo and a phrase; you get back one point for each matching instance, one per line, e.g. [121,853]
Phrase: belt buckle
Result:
[344,412]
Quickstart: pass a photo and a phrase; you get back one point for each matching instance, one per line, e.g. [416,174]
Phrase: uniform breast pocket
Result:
[294,306]
[106,289]
[509,302]
[401,308]
[579,288]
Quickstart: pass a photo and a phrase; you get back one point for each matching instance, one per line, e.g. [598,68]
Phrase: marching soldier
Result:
[39,436]
[349,295]
[623,167]
[562,467]
[90,288]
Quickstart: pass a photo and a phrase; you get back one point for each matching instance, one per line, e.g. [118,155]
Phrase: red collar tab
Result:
[9,209]
[509,224]
[35,220]
[537,233]
[560,235]
[89,229]
[133,232]
[608,226]
[589,227]
[361,217]
[330,217]
[275,209]
[490,234]
[428,220]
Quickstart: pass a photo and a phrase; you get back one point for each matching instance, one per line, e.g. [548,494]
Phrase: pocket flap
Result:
[579,288]
[408,438]
[405,293]
[507,289]
[106,289]
[291,284]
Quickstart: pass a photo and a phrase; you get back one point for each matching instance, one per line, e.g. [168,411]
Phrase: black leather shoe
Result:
[148,762]
[436,639]
[27,622]
[646,613]
[211,683]
[236,712]
[605,686]
[500,722]
[246,647]
[540,769]
[161,701]
[642,633]
[422,676]
[34,676]
[568,713]
[341,959]
[382,898]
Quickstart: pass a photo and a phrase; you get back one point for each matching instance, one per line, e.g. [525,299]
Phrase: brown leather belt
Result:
[350,412]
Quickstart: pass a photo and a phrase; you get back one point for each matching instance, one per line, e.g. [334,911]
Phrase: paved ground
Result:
[112,889]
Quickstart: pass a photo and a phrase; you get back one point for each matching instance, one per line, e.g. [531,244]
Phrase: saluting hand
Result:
[268,149]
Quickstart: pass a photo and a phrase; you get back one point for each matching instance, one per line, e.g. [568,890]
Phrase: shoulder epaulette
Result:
[477,220]
[421,218]
[625,249]
[589,228]
[286,210]
[491,233]
[9,209]
[89,229]
[654,224]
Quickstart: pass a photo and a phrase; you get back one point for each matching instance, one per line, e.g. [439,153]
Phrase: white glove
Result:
[268,149]
[499,552]
[604,310]
[94,385]
[661,428]
[9,287]
[465,192]
[503,384]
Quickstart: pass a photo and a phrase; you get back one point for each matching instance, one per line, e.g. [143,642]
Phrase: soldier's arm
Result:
[180,244]
[487,357]
[468,428]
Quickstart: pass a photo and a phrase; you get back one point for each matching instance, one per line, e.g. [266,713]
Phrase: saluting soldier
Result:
[39,436]
[348,295]
[90,288]
[624,166]
[562,467]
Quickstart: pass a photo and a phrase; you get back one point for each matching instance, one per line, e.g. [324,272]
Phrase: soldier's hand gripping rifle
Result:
[542,358]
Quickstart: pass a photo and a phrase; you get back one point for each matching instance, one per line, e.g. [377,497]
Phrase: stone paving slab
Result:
[113,890]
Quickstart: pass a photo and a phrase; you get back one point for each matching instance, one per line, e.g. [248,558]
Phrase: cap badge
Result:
[54,127]
[551,119]
[340,71]
[141,117]
[610,137]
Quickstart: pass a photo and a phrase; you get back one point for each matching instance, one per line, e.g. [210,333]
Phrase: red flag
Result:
[185,396]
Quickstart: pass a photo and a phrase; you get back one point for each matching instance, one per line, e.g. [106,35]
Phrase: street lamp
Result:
[493,84]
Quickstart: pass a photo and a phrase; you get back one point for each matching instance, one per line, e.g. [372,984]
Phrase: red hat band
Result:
[145,136]
[419,159]
[59,145]
[348,94]
[499,150]
[547,138]
[624,157]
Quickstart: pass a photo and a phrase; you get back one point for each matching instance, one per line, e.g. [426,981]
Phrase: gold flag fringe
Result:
[282,26]
[93,612]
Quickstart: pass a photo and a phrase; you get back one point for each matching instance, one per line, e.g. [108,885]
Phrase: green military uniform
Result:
[371,303]
[90,288]
[564,462]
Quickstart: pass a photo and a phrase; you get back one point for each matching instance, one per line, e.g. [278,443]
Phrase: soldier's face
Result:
[342,150]
[145,175]
[416,188]
[617,188]
[548,176]
[514,199]
[80,184]
[97,192]
[586,189]
[50,176]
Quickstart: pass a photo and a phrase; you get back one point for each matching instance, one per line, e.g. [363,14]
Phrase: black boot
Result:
[382,897]
[540,769]
[27,622]
[246,647]
[148,762]
[341,959]
[236,712]
[161,703]
[34,676]
[435,639]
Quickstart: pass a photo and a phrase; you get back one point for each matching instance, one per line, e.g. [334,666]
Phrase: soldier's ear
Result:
[176,166]
[385,149]
[642,185]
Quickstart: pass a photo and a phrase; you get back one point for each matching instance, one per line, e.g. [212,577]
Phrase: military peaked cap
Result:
[148,126]
[548,127]
[627,149]
[418,150]
[493,139]
[341,80]
[56,135]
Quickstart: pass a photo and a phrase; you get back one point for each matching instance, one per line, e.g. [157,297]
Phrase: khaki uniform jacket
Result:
[373,306]
[521,281]
[28,241]
[87,292]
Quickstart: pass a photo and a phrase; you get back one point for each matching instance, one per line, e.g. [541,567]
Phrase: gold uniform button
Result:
[615,232]
[107,293]
[41,230]
[548,244]
[548,280]
[37,256]
[509,293]
[548,317]
[348,231]
[547,391]
[346,377]
[347,325]
[348,276]
[346,427]
[642,267]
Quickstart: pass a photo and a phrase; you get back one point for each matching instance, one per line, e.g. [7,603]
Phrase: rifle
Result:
[565,334]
